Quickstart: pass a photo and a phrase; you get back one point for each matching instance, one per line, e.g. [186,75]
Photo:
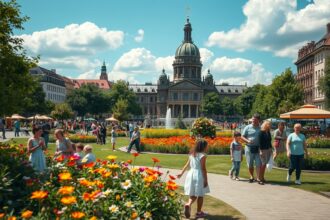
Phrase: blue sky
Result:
[240,41]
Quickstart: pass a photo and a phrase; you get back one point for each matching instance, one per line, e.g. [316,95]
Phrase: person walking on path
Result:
[265,149]
[103,132]
[36,146]
[251,137]
[63,144]
[17,126]
[3,127]
[135,140]
[45,132]
[236,156]
[279,140]
[113,138]
[295,148]
[196,184]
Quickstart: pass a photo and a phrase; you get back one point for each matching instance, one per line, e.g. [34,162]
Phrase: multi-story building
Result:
[184,94]
[52,84]
[310,68]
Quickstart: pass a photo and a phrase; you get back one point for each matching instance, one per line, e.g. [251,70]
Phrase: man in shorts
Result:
[251,137]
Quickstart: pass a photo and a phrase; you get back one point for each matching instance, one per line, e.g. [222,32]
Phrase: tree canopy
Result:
[211,104]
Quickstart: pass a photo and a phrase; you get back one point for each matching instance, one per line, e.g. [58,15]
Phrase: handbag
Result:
[276,143]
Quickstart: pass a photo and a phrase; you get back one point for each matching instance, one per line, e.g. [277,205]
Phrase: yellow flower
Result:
[27,214]
[117,197]
[66,190]
[93,218]
[68,200]
[39,194]
[65,176]
[12,218]
[147,215]
[113,166]
[77,215]
[172,193]
[112,157]
[129,204]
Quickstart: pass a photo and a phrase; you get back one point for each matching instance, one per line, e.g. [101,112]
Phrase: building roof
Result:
[49,76]
[143,88]
[101,83]
[230,89]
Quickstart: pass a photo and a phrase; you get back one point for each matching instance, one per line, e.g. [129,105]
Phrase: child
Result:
[79,152]
[196,184]
[113,138]
[89,156]
[236,156]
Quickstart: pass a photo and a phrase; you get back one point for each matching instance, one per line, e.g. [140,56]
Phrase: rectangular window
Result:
[185,96]
[175,96]
[195,96]
[151,99]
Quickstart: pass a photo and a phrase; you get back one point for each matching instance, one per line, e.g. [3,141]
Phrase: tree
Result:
[89,99]
[62,111]
[259,105]
[228,106]
[324,83]
[245,101]
[120,110]
[211,104]
[119,91]
[36,102]
[16,83]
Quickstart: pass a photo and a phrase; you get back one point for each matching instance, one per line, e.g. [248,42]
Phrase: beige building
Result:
[311,66]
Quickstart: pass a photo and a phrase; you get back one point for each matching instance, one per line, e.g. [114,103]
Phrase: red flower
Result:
[156,160]
[172,177]
[135,154]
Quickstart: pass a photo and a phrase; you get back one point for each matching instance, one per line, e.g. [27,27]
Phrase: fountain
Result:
[168,119]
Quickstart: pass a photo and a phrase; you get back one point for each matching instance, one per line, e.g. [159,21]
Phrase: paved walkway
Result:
[266,202]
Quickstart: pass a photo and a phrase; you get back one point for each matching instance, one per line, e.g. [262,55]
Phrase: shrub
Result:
[163,133]
[314,161]
[183,144]
[203,127]
[318,142]
[103,190]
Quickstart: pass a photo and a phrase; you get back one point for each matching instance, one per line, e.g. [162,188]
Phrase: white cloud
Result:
[73,46]
[206,55]
[275,25]
[91,74]
[239,71]
[140,35]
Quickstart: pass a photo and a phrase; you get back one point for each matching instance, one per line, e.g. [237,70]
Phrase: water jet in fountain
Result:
[168,119]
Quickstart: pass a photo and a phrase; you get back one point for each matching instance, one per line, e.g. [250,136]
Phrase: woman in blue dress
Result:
[196,185]
[36,146]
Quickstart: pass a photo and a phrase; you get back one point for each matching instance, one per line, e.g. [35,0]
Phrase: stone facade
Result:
[184,94]
[311,66]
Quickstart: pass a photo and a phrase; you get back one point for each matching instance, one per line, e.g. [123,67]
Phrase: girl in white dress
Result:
[196,184]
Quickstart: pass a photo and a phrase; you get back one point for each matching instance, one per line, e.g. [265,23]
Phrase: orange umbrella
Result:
[307,112]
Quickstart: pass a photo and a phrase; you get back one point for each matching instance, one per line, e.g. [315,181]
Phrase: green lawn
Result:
[314,182]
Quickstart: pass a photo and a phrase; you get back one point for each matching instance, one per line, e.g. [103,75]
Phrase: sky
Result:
[240,41]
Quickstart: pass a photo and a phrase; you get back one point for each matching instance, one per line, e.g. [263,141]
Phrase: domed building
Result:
[184,94]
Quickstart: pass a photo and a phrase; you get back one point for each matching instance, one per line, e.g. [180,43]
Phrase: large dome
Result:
[187,49]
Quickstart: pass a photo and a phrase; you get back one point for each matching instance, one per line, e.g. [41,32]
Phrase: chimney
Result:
[328,28]
[53,70]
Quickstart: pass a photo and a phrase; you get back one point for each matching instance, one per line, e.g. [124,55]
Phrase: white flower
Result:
[114,209]
[127,184]
[129,204]
[107,192]
[147,215]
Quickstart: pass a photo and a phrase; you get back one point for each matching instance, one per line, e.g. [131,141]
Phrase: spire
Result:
[163,71]
[208,72]
[104,74]
[187,32]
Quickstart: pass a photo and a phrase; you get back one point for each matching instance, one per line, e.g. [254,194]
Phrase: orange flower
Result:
[89,165]
[64,176]
[150,178]
[117,197]
[171,185]
[99,184]
[93,218]
[65,190]
[134,215]
[135,154]
[27,214]
[129,161]
[39,194]
[172,177]
[86,183]
[106,174]
[156,160]
[12,218]
[68,200]
[91,196]
[77,215]
[2,215]
[71,163]
[60,158]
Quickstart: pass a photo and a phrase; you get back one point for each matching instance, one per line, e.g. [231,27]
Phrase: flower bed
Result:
[183,144]
[103,190]
[76,138]
[163,133]
[315,161]
[318,142]
[224,134]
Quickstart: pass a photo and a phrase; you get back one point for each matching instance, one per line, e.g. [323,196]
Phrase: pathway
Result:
[268,201]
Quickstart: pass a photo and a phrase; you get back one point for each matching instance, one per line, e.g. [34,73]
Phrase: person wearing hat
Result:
[135,140]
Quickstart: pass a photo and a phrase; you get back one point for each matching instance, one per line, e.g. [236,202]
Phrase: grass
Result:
[314,182]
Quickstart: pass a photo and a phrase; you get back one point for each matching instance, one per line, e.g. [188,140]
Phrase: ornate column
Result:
[189,114]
